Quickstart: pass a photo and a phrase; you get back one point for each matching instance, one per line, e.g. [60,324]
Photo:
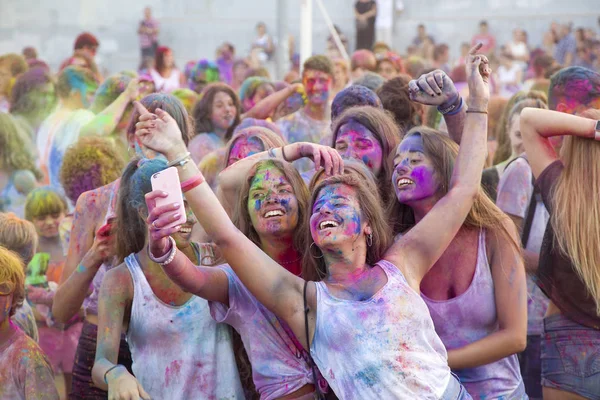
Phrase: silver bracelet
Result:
[180,161]
[167,258]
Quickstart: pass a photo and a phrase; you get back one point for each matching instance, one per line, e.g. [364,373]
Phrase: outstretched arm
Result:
[266,107]
[422,246]
[538,125]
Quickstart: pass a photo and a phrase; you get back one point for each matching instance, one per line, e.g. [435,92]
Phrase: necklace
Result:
[291,261]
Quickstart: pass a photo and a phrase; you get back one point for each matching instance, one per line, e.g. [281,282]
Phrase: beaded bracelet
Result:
[167,258]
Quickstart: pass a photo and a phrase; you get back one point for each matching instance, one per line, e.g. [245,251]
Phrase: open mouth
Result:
[274,213]
[404,183]
[328,224]
[185,229]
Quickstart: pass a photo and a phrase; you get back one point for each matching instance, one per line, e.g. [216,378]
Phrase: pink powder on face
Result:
[244,147]
[412,163]
[354,141]
[318,86]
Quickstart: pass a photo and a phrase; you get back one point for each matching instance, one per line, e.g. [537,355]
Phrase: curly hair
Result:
[88,164]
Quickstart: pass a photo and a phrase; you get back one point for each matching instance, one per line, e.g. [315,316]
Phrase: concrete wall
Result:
[194,28]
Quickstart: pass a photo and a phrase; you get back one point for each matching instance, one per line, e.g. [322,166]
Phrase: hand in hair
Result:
[159,132]
[433,89]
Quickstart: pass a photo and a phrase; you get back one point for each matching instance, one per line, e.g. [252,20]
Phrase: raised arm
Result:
[538,125]
[422,246]
[266,107]
[437,89]
[107,120]
[276,288]
[114,302]
[86,253]
[510,293]
[232,178]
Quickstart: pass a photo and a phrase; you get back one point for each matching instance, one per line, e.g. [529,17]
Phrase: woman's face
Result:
[168,59]
[184,236]
[223,111]
[387,70]
[272,204]
[336,217]
[46,226]
[355,141]
[244,147]
[514,134]
[414,177]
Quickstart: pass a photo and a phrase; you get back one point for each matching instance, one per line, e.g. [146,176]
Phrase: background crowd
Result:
[72,204]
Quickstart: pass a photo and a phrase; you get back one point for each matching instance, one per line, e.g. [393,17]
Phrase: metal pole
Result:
[282,53]
[305,30]
[332,31]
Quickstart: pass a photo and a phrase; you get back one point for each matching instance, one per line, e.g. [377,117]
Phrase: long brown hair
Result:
[202,110]
[577,210]
[388,134]
[313,264]
[241,216]
[442,151]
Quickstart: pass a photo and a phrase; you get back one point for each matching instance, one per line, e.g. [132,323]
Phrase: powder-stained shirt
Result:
[278,367]
[299,127]
[24,370]
[515,190]
[25,319]
[384,347]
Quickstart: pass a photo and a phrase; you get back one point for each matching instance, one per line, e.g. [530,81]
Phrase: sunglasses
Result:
[6,288]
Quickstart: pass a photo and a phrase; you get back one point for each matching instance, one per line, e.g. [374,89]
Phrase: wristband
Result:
[477,111]
[110,369]
[167,258]
[191,183]
[452,108]
[180,161]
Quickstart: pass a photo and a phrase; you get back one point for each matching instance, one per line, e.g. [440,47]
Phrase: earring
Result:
[311,253]
[370,239]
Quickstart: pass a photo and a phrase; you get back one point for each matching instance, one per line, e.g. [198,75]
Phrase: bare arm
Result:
[510,292]
[107,120]
[418,249]
[538,125]
[265,108]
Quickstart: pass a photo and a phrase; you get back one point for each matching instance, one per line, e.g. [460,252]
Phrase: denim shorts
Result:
[570,355]
[455,390]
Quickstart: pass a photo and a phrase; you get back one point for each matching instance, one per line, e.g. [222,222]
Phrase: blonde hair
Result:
[12,270]
[577,210]
[18,235]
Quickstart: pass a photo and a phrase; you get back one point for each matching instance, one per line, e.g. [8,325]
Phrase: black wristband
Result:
[455,106]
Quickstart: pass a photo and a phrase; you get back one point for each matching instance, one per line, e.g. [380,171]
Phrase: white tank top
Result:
[166,85]
[381,348]
[179,352]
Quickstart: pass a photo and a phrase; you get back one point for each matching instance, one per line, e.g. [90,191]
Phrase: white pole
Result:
[332,31]
[282,54]
[305,31]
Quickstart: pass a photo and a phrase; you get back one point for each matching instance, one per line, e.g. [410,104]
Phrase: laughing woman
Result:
[189,357]
[365,324]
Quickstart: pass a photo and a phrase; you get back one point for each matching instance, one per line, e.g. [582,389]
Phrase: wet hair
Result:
[313,266]
[395,98]
[90,163]
[74,77]
[109,90]
[159,58]
[504,151]
[387,133]
[267,138]
[172,106]
[13,271]
[44,201]
[14,152]
[187,97]
[85,39]
[575,85]
[318,63]
[241,216]
[25,87]
[135,184]
[371,80]
[364,59]
[353,96]
[202,112]
[18,235]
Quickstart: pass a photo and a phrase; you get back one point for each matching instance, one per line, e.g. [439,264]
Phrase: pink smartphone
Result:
[168,181]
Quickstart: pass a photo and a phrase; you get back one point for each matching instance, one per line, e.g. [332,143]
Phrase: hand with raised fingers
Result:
[323,156]
[158,131]
[123,386]
[158,219]
[132,90]
[433,89]
[478,77]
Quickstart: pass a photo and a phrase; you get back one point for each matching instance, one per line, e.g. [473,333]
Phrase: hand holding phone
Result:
[168,181]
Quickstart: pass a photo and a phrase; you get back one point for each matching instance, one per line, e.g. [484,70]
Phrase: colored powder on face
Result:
[44,201]
[245,147]
[422,173]
[355,141]
[317,85]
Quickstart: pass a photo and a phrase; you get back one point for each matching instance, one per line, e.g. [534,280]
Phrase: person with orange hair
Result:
[26,373]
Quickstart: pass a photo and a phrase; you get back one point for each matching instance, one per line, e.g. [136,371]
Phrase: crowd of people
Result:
[392,226]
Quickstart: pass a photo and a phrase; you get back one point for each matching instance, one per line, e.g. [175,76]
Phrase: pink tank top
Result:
[472,316]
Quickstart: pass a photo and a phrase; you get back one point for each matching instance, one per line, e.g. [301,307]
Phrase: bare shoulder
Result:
[117,283]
